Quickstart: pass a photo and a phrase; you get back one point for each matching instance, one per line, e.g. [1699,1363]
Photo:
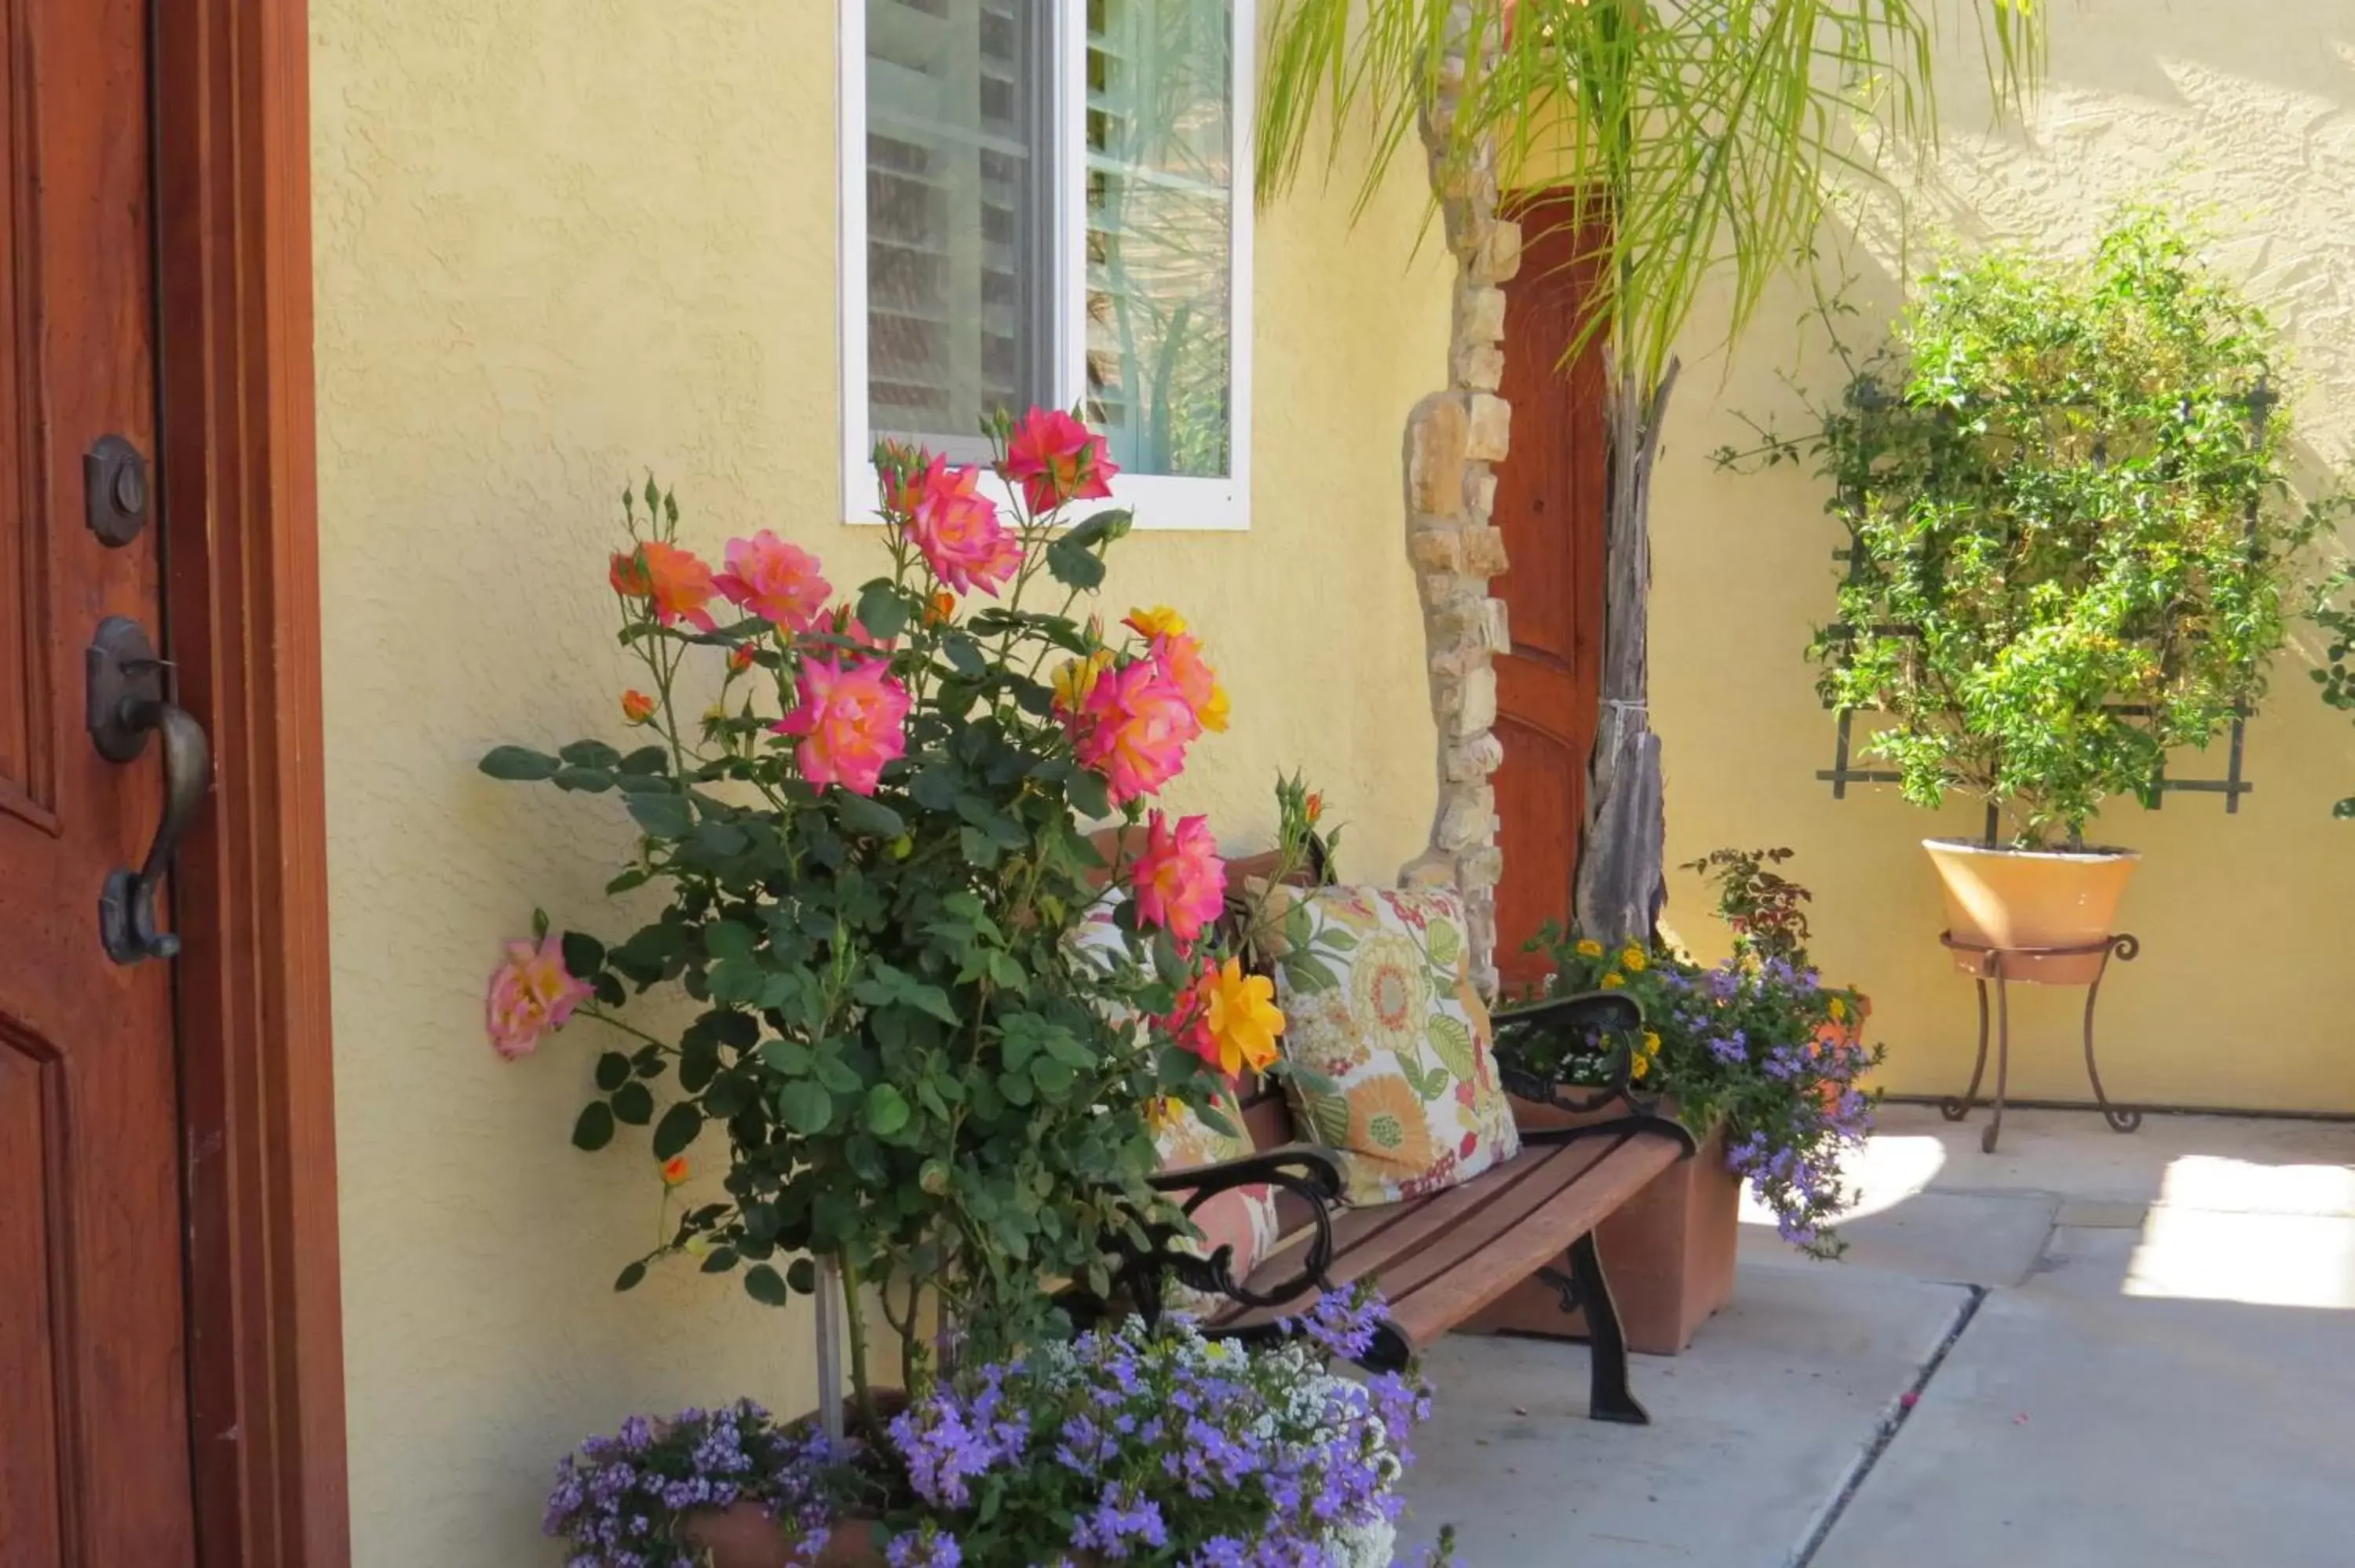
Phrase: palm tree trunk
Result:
[1623,863]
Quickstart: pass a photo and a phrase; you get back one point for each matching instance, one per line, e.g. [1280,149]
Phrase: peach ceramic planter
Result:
[745,1536]
[2010,899]
[1669,1252]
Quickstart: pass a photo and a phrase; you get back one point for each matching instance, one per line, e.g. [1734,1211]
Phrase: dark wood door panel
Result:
[1540,824]
[94,1453]
[31,1434]
[27,784]
[1549,507]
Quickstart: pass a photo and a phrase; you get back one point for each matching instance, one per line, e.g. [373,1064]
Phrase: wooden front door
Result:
[1550,506]
[94,1442]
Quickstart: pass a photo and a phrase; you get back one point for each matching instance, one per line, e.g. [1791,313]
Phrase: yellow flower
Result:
[1212,714]
[1641,1065]
[1634,958]
[1240,1018]
[1590,949]
[1165,1113]
[1159,621]
[1838,1010]
[1077,677]
[1613,981]
[1651,1044]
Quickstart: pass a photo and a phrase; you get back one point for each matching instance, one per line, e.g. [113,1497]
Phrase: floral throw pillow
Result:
[1243,1218]
[1376,987]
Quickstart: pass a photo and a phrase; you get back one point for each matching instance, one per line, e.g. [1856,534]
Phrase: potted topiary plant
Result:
[2071,534]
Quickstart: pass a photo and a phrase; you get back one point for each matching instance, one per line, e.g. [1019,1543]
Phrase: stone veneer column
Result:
[1452,438]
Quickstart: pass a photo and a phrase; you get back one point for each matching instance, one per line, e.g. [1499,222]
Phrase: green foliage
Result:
[1689,145]
[1759,905]
[2072,526]
[2334,612]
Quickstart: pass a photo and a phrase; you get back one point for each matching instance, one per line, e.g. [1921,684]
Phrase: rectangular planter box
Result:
[1668,1253]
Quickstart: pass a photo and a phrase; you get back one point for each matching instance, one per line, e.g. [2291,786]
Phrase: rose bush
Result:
[868,821]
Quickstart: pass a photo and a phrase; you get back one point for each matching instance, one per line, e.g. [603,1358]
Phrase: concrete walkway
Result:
[2087,1348]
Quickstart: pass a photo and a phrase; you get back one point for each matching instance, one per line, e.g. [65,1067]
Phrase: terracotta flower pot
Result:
[1668,1253]
[2031,898]
[744,1536]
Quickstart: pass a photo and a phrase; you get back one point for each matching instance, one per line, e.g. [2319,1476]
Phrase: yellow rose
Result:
[1634,958]
[1613,981]
[1075,678]
[1590,949]
[1159,621]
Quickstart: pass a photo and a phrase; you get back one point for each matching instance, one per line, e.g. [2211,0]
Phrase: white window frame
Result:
[1159,501]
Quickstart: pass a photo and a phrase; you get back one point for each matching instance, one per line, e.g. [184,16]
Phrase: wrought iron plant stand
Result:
[1988,964]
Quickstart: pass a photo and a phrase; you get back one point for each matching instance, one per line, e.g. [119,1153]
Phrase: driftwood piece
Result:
[1623,865]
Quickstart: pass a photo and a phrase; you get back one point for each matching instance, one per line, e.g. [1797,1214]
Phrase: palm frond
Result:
[1704,132]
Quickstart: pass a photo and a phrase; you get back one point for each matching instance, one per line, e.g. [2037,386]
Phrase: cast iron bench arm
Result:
[1141,1273]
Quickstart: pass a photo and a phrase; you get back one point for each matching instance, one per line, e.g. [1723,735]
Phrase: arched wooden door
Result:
[1550,493]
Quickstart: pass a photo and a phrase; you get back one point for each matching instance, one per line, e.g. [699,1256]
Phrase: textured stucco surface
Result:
[559,240]
[2244,991]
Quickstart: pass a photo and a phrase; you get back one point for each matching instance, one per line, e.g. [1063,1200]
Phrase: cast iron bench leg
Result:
[1606,1343]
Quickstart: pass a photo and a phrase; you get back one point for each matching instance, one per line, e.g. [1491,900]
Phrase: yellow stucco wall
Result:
[2243,994]
[559,240]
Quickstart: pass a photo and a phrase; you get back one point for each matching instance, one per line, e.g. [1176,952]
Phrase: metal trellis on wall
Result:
[2232,786]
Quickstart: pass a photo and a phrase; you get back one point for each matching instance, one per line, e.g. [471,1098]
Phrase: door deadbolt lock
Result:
[115,492]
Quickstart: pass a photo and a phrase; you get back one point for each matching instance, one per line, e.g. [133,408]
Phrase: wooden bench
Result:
[1441,1258]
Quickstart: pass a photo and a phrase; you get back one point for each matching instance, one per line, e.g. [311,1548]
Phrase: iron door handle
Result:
[127,703]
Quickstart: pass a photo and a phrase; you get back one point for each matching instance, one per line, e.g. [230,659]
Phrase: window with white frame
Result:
[1045,202]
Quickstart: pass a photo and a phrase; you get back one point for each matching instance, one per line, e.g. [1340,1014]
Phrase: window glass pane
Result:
[958,229]
[1160,169]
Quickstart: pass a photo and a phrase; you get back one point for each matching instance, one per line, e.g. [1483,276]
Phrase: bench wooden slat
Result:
[1379,1241]
[1269,1121]
[1484,1272]
[1552,1172]
[1480,1238]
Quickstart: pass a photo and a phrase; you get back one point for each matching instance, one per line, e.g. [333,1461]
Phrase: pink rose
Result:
[676,582]
[530,994]
[850,721]
[779,582]
[1180,882]
[1055,458]
[1134,729]
[958,531]
[1180,654]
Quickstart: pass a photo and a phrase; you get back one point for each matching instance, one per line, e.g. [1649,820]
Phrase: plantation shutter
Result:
[959,224]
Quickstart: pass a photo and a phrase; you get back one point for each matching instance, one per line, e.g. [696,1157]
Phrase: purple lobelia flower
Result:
[618,1501]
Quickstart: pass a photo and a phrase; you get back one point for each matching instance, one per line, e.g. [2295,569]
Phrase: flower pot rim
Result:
[2092,851]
